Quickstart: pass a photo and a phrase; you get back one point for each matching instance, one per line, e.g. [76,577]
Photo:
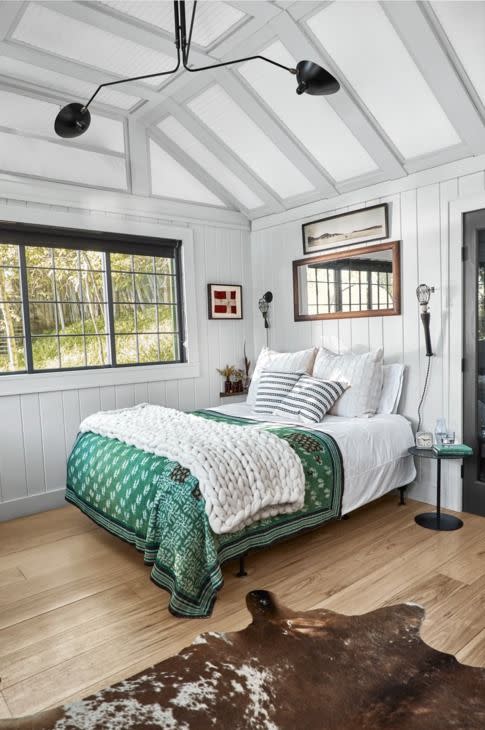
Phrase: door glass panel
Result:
[481,355]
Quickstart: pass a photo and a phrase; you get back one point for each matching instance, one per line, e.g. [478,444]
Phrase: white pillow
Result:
[310,399]
[272,390]
[282,362]
[391,388]
[364,374]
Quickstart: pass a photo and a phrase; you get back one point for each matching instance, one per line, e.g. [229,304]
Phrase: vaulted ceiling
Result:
[412,96]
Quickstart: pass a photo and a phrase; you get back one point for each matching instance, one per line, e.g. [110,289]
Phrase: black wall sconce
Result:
[423,293]
[263,305]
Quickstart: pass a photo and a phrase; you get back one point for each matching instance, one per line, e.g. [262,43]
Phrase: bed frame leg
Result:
[242,567]
[402,495]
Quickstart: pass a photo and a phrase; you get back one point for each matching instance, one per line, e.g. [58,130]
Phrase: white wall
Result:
[430,253]
[37,429]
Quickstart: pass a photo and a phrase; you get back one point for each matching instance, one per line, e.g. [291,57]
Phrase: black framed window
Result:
[75,300]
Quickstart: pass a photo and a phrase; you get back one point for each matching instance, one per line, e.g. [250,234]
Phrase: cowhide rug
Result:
[314,670]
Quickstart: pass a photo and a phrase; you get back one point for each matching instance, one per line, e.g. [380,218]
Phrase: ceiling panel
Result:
[311,118]
[367,49]
[238,131]
[73,89]
[203,157]
[60,162]
[64,36]
[171,180]
[212,20]
[464,24]
[28,115]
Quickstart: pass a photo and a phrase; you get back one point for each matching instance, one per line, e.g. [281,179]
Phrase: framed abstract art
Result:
[225,301]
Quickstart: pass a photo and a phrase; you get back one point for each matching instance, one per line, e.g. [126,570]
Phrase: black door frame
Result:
[473,489]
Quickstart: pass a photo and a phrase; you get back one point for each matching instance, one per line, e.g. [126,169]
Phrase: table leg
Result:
[438,489]
[436,520]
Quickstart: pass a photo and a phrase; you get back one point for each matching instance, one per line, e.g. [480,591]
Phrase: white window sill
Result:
[78,379]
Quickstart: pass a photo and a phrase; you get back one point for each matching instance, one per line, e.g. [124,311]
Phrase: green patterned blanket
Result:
[156,504]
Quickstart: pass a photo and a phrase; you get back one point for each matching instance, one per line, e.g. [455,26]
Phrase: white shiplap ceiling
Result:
[412,96]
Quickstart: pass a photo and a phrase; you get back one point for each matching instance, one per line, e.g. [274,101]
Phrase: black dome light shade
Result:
[72,121]
[314,80]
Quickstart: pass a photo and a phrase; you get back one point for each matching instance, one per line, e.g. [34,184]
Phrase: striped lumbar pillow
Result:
[311,399]
[273,387]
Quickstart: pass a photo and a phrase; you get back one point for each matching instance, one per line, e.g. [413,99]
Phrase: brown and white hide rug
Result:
[291,670]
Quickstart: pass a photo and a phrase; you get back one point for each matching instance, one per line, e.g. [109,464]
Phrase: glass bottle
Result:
[440,430]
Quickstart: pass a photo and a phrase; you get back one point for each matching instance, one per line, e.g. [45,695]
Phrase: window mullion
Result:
[26,309]
[110,308]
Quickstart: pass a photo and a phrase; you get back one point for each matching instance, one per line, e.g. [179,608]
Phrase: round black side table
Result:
[437,520]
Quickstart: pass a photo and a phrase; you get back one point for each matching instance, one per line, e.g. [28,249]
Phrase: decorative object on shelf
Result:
[344,229]
[233,382]
[74,119]
[423,294]
[225,301]
[358,282]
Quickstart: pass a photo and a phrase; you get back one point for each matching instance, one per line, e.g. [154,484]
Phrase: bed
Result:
[155,503]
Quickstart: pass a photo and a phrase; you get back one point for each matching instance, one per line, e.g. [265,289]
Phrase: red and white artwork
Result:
[225,301]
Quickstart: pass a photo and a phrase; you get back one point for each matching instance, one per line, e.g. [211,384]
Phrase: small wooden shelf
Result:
[232,395]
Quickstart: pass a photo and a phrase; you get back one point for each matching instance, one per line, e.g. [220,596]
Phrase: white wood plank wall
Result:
[420,219]
[37,430]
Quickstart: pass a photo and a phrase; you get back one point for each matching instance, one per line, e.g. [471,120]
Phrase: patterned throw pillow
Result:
[311,399]
[273,387]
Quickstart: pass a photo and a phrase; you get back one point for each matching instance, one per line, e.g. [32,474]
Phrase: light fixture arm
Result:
[187,43]
[149,76]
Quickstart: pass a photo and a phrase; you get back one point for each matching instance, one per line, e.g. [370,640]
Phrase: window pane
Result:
[168,348]
[144,264]
[42,318]
[69,318]
[39,256]
[67,285]
[10,284]
[148,348]
[126,350]
[167,316]
[41,285]
[92,283]
[166,289]
[146,318]
[65,258]
[124,318]
[121,262]
[11,322]
[72,352]
[9,254]
[145,288]
[45,353]
[164,266]
[12,355]
[123,287]
[94,319]
[93,260]
[97,351]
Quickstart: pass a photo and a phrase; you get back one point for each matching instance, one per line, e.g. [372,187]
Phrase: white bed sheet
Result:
[374,451]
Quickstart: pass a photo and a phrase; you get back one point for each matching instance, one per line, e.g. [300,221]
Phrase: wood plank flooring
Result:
[78,611]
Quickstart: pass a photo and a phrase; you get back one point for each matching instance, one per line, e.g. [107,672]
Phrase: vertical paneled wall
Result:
[420,219]
[37,430]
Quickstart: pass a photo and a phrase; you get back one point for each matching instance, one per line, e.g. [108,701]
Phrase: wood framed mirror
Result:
[364,281]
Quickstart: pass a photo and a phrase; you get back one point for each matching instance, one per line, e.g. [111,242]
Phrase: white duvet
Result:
[374,451]
[245,474]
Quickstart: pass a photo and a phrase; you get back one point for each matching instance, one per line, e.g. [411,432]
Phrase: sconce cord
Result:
[425,390]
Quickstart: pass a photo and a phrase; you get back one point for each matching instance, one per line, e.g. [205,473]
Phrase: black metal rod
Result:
[242,568]
[425,319]
[189,42]
[241,60]
[438,489]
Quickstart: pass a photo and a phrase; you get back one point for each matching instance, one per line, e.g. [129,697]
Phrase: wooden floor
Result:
[78,611]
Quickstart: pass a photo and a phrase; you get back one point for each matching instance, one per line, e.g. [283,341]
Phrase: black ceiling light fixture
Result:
[74,119]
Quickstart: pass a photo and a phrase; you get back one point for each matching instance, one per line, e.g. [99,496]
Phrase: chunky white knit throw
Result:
[245,473]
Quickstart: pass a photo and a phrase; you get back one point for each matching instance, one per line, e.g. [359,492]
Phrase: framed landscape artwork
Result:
[225,301]
[356,226]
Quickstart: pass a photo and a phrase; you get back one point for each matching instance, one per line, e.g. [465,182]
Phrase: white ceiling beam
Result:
[343,102]
[9,15]
[415,30]
[219,149]
[116,24]
[138,158]
[35,56]
[194,169]
[346,103]
[273,128]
